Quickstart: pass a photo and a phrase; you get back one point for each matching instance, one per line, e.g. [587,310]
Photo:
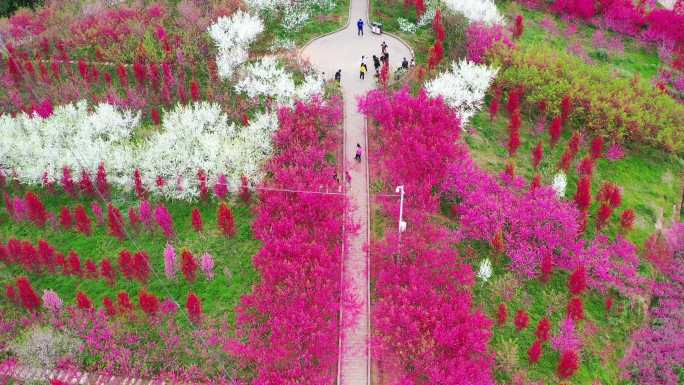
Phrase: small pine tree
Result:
[225,220]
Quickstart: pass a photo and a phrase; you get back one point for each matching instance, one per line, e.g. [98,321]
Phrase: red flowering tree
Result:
[576,309]
[534,352]
[519,26]
[438,27]
[188,265]
[149,303]
[521,320]
[29,299]
[107,271]
[141,266]
[597,147]
[123,302]
[115,222]
[543,331]
[83,302]
[577,282]
[436,54]
[73,264]
[537,155]
[65,218]
[225,221]
[546,268]
[627,219]
[86,184]
[36,210]
[555,130]
[568,364]
[68,182]
[583,195]
[566,106]
[126,264]
[194,308]
[501,315]
[140,191]
[514,133]
[83,223]
[197,220]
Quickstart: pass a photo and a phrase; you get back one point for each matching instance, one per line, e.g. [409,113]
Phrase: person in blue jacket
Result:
[359,27]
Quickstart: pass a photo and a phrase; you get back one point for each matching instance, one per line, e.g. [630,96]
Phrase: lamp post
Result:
[402,224]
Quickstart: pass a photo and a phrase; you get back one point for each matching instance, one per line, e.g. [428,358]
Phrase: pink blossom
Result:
[51,301]
[169,261]
[207,265]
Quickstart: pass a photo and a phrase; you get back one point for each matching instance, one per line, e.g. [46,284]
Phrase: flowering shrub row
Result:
[424,327]
[288,327]
[193,137]
[619,109]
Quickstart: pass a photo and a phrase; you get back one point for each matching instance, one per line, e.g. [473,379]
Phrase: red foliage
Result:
[91,269]
[133,216]
[514,132]
[101,181]
[202,180]
[513,103]
[149,303]
[501,314]
[83,223]
[521,320]
[586,166]
[123,302]
[109,306]
[493,109]
[534,352]
[537,155]
[536,182]
[83,302]
[73,264]
[555,130]
[610,194]
[68,182]
[568,364]
[420,7]
[577,282]
[566,106]
[519,26]
[565,160]
[197,220]
[627,219]
[115,222]
[126,264]
[509,170]
[603,215]
[245,193]
[86,184]
[36,211]
[608,304]
[437,27]
[11,293]
[139,187]
[583,9]
[195,91]
[139,71]
[436,54]
[141,266]
[583,195]
[576,309]
[574,142]
[154,115]
[123,75]
[194,307]
[65,218]
[225,220]
[82,69]
[543,332]
[107,271]
[597,147]
[29,299]
[188,266]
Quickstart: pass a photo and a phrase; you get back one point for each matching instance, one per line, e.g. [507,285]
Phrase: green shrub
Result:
[604,102]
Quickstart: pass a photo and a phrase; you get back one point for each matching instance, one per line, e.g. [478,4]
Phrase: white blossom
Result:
[428,16]
[463,88]
[266,77]
[295,17]
[559,184]
[484,11]
[406,26]
[485,271]
[196,136]
[232,36]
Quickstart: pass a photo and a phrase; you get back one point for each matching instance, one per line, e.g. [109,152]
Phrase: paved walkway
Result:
[343,50]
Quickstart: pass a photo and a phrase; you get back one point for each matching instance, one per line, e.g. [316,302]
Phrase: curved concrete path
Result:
[343,50]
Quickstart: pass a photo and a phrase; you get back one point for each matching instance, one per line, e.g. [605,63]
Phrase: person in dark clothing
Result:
[338,76]
[359,152]
[385,58]
[376,64]
[404,64]
[383,47]
[359,27]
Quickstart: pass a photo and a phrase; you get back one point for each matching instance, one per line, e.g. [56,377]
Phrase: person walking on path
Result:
[383,47]
[359,27]
[359,152]
[376,64]
[338,76]
[346,174]
[362,71]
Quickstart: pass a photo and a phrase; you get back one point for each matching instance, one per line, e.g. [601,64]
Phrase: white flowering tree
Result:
[463,87]
[484,11]
[232,36]
[72,137]
[485,271]
[560,182]
[266,77]
[193,137]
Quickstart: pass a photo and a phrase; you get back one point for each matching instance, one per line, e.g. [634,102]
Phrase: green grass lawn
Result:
[636,59]
[388,11]
[604,337]
[650,178]
[234,273]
